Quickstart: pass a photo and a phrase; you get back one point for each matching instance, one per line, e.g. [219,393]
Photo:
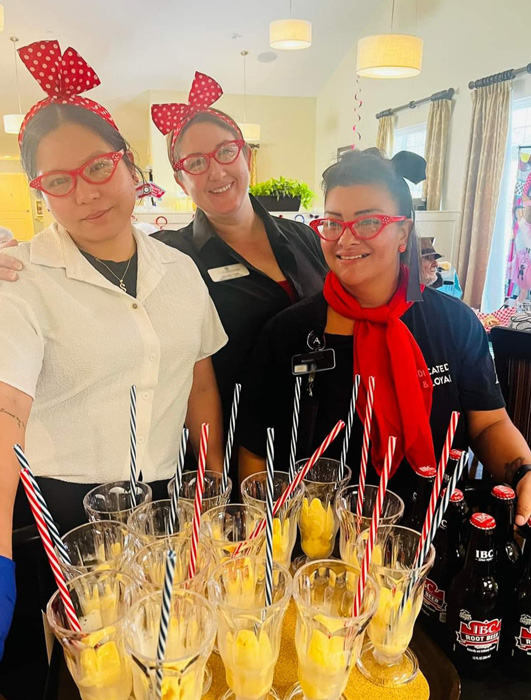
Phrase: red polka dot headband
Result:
[62,76]
[173,117]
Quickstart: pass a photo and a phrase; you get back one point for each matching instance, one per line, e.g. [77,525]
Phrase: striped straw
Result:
[439,515]
[132,439]
[295,427]
[348,429]
[198,500]
[178,479]
[367,423]
[436,490]
[270,488]
[43,506]
[376,513]
[230,436]
[50,551]
[260,525]
[169,574]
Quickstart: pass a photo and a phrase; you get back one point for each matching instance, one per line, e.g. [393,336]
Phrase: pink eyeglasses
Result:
[97,171]
[364,228]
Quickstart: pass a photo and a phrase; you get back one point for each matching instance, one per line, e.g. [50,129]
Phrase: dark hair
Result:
[201,118]
[52,116]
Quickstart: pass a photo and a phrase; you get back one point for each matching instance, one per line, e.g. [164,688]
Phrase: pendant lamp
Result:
[250,130]
[13,122]
[390,56]
[290,34]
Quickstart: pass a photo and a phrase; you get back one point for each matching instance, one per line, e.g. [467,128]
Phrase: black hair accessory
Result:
[410,166]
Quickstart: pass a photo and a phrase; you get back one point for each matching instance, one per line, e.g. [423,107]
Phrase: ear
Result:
[405,229]
[180,183]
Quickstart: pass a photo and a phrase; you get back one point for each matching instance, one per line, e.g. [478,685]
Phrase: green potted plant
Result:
[283,194]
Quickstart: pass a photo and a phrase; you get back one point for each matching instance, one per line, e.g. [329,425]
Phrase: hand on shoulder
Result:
[8,264]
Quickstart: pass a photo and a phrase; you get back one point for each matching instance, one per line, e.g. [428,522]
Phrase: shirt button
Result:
[141,439]
[145,395]
[135,306]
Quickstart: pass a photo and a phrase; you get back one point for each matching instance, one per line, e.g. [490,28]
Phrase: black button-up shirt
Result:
[246,303]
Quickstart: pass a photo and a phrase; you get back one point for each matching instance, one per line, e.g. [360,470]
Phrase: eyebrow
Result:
[200,153]
[357,213]
[86,160]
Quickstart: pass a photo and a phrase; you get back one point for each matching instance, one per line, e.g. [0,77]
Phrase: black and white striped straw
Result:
[178,479]
[270,463]
[165,611]
[348,427]
[295,428]
[230,436]
[132,440]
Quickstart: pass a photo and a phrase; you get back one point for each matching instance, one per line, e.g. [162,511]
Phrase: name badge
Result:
[228,272]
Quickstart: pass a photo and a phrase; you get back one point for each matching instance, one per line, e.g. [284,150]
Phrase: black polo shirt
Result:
[450,337]
[246,303]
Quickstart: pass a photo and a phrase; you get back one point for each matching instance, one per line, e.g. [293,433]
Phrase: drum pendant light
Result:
[13,122]
[290,34]
[250,130]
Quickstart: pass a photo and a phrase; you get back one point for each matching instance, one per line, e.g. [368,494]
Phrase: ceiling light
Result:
[13,122]
[250,131]
[290,34]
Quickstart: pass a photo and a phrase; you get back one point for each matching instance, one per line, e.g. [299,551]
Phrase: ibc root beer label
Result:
[434,597]
[523,640]
[479,637]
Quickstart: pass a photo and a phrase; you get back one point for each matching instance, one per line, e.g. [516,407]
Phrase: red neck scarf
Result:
[384,348]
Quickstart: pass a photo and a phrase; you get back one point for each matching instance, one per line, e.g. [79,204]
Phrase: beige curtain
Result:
[486,151]
[385,137]
[436,142]
[254,177]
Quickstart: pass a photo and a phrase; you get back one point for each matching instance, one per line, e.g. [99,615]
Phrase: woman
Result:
[429,357]
[254,265]
[100,307]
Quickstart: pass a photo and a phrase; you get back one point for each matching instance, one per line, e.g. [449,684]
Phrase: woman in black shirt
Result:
[429,357]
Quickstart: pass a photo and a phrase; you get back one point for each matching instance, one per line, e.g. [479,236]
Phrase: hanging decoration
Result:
[357,115]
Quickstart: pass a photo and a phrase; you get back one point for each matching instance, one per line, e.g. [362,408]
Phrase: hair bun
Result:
[410,166]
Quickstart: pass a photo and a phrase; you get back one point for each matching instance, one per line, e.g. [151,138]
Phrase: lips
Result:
[96,215]
[352,258]
[222,189]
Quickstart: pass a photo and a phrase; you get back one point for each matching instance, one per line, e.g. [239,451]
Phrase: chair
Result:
[512,356]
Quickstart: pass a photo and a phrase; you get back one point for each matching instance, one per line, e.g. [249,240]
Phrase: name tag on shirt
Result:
[228,272]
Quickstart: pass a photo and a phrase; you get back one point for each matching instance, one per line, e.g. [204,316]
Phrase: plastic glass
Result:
[285,522]
[112,500]
[191,631]
[225,527]
[151,521]
[96,657]
[386,658]
[328,639]
[99,545]
[350,528]
[249,633]
[318,521]
[213,494]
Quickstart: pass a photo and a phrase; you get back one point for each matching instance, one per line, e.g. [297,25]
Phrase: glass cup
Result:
[225,527]
[151,521]
[349,528]
[112,500]
[318,521]
[191,632]
[96,656]
[328,639]
[213,495]
[98,545]
[249,633]
[285,522]
[386,659]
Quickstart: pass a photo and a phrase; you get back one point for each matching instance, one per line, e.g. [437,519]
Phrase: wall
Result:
[287,145]
[463,40]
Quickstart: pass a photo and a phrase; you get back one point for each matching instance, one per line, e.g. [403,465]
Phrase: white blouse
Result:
[76,343]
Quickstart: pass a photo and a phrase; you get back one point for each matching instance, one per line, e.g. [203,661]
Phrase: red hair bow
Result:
[173,117]
[62,76]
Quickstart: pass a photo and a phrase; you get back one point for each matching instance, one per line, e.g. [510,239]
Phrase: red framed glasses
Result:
[364,228]
[97,171]
[198,163]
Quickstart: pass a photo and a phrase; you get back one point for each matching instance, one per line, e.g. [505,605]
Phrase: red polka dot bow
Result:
[173,117]
[62,76]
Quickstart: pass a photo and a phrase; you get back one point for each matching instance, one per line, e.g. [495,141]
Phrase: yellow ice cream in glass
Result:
[249,663]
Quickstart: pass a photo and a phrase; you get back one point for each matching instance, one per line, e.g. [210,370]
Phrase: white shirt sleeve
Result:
[213,336]
[21,344]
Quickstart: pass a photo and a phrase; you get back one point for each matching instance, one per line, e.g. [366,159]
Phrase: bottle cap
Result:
[456,455]
[503,492]
[483,521]
[427,472]
[457,496]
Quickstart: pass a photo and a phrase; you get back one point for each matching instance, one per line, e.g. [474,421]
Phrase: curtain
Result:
[518,265]
[484,167]
[436,142]
[254,177]
[385,136]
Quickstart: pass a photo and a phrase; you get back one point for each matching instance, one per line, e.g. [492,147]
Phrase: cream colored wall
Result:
[287,145]
[463,40]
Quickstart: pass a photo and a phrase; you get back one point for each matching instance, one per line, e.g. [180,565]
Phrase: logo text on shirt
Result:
[440,374]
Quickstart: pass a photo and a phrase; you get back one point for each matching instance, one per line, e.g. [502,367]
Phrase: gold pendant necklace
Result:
[121,282]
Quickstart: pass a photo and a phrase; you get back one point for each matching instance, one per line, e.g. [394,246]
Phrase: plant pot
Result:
[282,204]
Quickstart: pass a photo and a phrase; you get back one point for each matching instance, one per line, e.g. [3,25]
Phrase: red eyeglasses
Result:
[364,228]
[198,163]
[97,171]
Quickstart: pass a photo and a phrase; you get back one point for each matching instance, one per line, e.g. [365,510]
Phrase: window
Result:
[520,136]
[411,138]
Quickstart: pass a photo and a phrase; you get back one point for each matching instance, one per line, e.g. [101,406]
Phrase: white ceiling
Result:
[137,45]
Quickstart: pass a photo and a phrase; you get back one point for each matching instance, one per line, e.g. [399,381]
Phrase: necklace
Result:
[121,283]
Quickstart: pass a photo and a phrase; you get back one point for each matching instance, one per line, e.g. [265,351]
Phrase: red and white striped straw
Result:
[198,500]
[48,547]
[260,525]
[376,513]
[367,423]
[436,490]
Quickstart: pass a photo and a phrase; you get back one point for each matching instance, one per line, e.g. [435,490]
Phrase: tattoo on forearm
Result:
[20,423]
[512,467]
